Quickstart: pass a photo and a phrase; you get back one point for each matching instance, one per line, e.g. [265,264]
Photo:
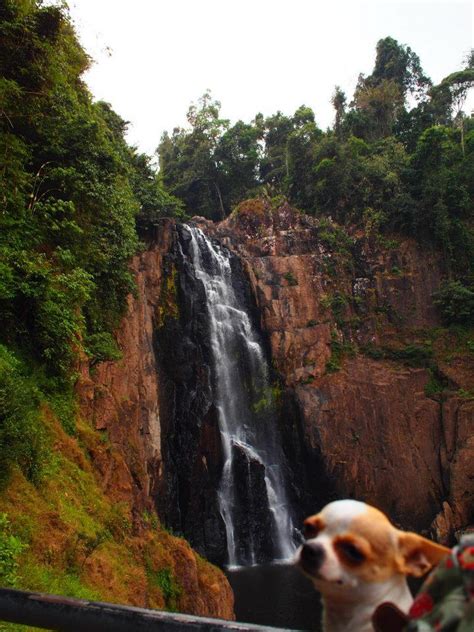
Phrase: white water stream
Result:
[242,388]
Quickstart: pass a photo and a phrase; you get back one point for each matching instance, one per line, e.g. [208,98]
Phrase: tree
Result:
[441,196]
[71,189]
[455,301]
[399,64]
[458,84]
[188,162]
[339,101]
[381,105]
[380,99]
[301,146]
[274,164]
[237,157]
[288,141]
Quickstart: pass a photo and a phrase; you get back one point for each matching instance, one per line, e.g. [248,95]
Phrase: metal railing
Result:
[55,612]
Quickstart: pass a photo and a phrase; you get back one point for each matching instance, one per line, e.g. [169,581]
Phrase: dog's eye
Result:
[350,552]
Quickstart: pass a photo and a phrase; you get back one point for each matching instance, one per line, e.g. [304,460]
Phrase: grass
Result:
[64,535]
[338,304]
[165,580]
[469,395]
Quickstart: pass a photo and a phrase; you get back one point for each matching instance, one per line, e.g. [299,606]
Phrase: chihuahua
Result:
[358,560]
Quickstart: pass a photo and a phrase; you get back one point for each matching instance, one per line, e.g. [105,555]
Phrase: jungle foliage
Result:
[71,194]
[73,199]
[400,157]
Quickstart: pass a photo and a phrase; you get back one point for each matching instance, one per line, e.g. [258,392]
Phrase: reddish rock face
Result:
[380,437]
[123,400]
[359,420]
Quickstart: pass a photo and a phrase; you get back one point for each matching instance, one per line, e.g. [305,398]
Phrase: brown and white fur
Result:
[357,560]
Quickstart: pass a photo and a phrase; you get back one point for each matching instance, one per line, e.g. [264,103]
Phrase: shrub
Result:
[101,347]
[339,349]
[11,548]
[455,302]
[290,278]
[335,237]
[411,355]
[435,385]
[22,436]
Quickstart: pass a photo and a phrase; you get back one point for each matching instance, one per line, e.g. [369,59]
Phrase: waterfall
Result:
[252,496]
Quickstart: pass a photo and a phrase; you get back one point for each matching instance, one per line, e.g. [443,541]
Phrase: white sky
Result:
[153,57]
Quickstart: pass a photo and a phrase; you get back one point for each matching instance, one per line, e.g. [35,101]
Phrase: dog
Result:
[358,560]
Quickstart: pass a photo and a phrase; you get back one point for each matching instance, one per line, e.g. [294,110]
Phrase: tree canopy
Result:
[400,151]
[71,191]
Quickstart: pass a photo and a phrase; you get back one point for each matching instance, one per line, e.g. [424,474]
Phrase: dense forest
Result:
[400,156]
[73,197]
[76,200]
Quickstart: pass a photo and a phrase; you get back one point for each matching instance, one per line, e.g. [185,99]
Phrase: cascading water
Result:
[252,496]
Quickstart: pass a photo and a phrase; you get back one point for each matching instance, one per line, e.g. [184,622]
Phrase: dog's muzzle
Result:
[311,557]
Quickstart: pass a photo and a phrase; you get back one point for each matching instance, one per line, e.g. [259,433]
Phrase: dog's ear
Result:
[312,526]
[417,555]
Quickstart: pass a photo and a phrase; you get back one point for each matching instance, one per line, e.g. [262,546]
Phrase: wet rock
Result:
[366,430]
[253,524]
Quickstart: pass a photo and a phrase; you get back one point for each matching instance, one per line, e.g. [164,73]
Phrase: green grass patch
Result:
[469,395]
[165,580]
[42,578]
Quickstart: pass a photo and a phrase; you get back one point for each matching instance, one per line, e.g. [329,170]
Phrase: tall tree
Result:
[459,83]
[380,99]
[400,64]
[274,167]
[339,101]
[188,160]
[237,157]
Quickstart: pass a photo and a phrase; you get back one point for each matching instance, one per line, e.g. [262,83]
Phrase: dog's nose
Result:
[312,556]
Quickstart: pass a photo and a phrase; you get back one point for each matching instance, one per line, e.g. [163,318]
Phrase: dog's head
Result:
[350,544]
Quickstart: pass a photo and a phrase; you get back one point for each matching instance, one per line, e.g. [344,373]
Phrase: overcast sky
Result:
[153,57]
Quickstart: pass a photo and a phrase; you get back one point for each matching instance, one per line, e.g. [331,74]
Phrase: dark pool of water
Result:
[275,595]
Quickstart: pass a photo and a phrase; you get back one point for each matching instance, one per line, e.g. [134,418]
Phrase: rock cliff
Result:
[128,402]
[378,395]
